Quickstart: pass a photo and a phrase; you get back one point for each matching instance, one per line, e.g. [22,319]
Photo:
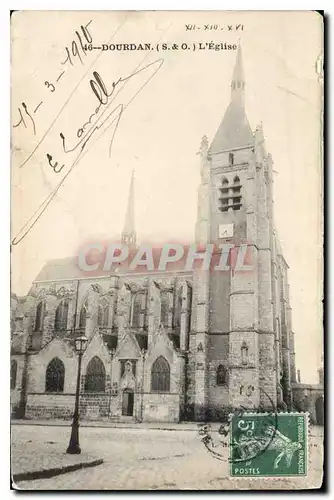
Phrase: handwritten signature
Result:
[104,116]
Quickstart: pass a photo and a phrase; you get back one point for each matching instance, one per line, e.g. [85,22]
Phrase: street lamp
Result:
[73,447]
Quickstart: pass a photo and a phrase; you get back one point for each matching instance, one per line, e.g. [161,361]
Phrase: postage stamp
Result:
[263,444]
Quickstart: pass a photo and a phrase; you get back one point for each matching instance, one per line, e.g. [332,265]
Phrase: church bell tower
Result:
[235,207]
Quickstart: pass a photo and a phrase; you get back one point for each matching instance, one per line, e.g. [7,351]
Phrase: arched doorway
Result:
[128,402]
[319,410]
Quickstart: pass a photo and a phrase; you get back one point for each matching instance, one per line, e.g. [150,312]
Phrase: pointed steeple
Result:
[234,130]
[238,80]
[129,232]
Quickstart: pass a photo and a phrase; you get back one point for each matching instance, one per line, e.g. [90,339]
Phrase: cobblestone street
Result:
[146,458]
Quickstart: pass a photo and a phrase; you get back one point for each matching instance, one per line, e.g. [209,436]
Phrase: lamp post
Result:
[73,447]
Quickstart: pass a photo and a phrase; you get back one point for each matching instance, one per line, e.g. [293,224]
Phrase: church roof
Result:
[68,269]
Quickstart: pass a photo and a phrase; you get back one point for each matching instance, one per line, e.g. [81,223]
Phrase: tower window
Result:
[231,158]
[232,193]
[224,199]
[236,188]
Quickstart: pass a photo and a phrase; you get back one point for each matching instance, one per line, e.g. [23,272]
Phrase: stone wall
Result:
[50,406]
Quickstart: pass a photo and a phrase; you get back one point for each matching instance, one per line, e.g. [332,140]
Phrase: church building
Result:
[169,345]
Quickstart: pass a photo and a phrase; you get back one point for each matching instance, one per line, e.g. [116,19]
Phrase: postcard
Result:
[166,250]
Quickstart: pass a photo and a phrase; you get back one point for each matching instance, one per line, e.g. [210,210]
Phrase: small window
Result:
[13,373]
[160,375]
[236,180]
[231,158]
[244,353]
[221,375]
[55,376]
[224,181]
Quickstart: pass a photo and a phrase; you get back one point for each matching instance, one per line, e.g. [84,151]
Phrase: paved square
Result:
[152,459]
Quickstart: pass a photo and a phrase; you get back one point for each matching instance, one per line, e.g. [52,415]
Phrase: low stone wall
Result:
[94,406]
[45,406]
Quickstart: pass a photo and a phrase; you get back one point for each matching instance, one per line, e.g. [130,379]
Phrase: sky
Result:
[159,134]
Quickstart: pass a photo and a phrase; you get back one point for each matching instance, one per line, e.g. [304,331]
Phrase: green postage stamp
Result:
[272,445]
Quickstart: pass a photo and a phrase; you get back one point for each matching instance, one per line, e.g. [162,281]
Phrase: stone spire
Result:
[129,232]
[238,80]
[234,130]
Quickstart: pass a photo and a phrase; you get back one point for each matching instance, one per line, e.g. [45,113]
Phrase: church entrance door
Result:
[127,404]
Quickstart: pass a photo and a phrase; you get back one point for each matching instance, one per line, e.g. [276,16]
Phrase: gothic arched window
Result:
[61,315]
[178,309]
[103,316]
[164,297]
[39,319]
[221,376]
[95,380]
[55,376]
[83,316]
[13,372]
[160,375]
[138,310]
